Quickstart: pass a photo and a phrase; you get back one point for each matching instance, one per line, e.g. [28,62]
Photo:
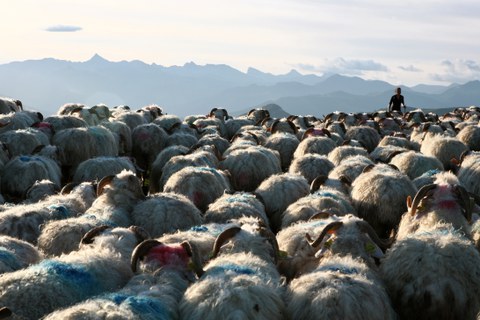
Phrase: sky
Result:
[401,42]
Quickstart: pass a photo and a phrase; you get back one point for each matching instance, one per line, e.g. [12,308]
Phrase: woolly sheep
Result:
[244,167]
[116,198]
[8,105]
[385,153]
[324,200]
[314,144]
[470,135]
[221,144]
[22,172]
[148,140]
[234,125]
[444,149]
[431,270]
[122,134]
[218,124]
[285,144]
[96,168]
[395,141]
[16,254]
[160,175]
[130,118]
[414,164]
[167,122]
[469,173]
[345,281]
[40,190]
[54,283]
[367,136]
[153,293]
[60,122]
[165,213]
[202,185]
[310,166]
[23,141]
[342,152]
[233,206]
[379,194]
[181,139]
[278,192]
[241,281]
[350,167]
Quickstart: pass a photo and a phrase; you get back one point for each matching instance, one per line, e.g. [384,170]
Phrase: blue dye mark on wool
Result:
[76,276]
[25,159]
[59,211]
[243,197]
[230,267]
[431,173]
[9,259]
[148,307]
[199,229]
[326,194]
[340,269]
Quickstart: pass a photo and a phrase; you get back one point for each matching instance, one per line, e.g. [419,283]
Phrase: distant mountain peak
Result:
[96,58]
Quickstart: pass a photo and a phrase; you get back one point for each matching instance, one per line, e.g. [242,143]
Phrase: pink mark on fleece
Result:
[444,197]
[168,255]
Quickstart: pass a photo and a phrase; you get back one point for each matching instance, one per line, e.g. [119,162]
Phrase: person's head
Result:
[398,90]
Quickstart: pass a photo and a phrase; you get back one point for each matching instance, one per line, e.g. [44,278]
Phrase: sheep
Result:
[431,271]
[61,122]
[367,136]
[166,212]
[130,118]
[22,172]
[378,195]
[218,124]
[350,167]
[202,185]
[16,121]
[258,115]
[285,144]
[148,140]
[16,254]
[181,139]
[414,164]
[92,116]
[469,173]
[40,190]
[244,167]
[101,264]
[80,144]
[444,149]
[68,108]
[426,178]
[314,144]
[23,141]
[384,154]
[326,200]
[96,168]
[236,205]
[342,152]
[241,281]
[160,175]
[25,221]
[122,134]
[8,105]
[395,141]
[116,198]
[153,293]
[344,283]
[310,166]
[220,143]
[234,125]
[278,192]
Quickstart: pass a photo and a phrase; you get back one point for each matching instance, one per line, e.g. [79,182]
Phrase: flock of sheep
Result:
[110,213]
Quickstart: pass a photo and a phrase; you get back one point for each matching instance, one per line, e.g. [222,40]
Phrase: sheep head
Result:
[159,255]
[441,197]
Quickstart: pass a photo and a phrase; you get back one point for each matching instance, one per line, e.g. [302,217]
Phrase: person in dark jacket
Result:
[396,101]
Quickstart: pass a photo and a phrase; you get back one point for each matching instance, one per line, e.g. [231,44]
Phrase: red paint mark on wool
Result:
[448,204]
[168,255]
[197,198]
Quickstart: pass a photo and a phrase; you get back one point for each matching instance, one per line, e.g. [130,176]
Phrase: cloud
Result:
[410,68]
[63,28]
[345,67]
[459,71]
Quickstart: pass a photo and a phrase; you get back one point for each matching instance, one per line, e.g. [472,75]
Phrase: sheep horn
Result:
[140,233]
[466,202]
[192,251]
[141,250]
[88,237]
[331,226]
[5,313]
[270,236]
[102,183]
[364,226]
[222,237]
[273,127]
[293,126]
[317,183]
[68,188]
[320,216]
[419,196]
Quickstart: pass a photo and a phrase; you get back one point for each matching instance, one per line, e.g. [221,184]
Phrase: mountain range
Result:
[44,85]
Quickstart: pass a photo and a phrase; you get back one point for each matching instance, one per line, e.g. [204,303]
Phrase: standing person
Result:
[396,101]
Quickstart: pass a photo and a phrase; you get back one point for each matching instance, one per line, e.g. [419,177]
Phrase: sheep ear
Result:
[409,203]
[192,251]
[368,168]
[103,183]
